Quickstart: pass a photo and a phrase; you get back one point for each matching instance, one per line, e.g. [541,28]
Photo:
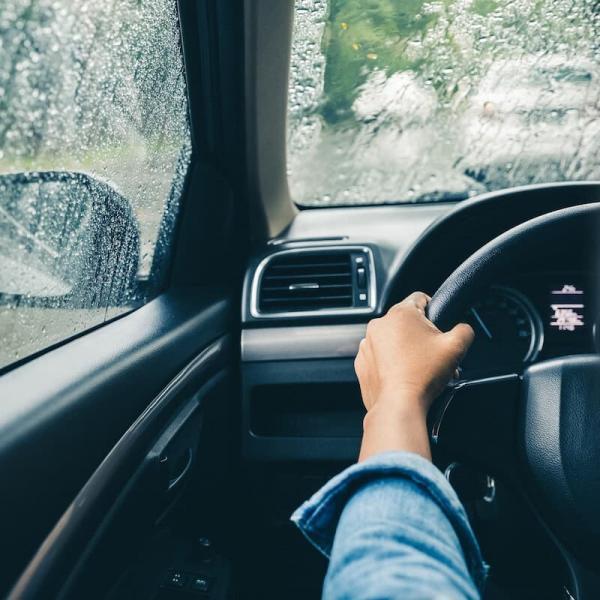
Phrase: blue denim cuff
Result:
[318,517]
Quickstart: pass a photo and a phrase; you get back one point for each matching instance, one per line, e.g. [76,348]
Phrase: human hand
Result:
[403,364]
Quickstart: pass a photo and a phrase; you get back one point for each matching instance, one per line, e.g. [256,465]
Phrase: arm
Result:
[403,534]
[392,525]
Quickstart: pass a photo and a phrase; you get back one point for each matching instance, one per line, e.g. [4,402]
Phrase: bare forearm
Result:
[388,427]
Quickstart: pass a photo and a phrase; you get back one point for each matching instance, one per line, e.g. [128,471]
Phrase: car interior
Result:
[164,411]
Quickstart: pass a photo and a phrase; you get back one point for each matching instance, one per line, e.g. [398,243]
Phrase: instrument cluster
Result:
[531,318]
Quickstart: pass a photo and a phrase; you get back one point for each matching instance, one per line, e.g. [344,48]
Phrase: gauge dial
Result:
[508,333]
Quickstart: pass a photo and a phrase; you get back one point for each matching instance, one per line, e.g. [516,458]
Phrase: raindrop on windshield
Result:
[401,102]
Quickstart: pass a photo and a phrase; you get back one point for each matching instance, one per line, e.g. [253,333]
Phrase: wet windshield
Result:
[405,101]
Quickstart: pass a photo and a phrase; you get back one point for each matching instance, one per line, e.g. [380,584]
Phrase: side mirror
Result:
[66,239]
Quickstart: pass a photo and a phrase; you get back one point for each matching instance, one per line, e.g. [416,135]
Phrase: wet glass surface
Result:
[412,101]
[97,89]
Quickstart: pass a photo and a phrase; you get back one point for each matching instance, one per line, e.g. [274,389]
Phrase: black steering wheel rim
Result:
[552,436]
[519,245]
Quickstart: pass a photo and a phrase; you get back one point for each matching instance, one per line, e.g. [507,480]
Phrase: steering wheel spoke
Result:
[474,422]
[584,583]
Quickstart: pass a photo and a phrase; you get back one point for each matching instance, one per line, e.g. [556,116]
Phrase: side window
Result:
[94,148]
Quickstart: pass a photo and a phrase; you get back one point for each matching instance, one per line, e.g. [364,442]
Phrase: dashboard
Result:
[300,398]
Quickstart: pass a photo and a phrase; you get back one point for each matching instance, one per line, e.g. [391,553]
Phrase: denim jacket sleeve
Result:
[393,527]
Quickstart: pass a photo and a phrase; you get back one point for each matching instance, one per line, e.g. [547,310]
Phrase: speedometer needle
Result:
[481,323]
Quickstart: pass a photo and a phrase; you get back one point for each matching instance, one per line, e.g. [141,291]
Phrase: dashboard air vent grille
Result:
[314,281]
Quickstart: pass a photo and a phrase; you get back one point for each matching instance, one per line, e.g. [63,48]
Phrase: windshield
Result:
[396,101]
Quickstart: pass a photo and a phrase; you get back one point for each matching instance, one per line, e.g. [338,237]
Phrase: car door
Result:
[121,240]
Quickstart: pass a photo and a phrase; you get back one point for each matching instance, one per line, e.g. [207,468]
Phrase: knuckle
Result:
[419,297]
[372,325]
[399,312]
[358,361]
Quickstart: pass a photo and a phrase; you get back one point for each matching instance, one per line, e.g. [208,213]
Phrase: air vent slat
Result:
[315,298]
[295,276]
[310,281]
[343,265]
[304,258]
[322,286]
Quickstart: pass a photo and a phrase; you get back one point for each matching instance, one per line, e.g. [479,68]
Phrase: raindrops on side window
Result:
[393,102]
[94,149]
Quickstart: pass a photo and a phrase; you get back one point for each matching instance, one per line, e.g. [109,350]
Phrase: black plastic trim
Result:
[70,535]
[279,449]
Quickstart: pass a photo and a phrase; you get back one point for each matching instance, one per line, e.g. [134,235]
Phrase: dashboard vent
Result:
[314,281]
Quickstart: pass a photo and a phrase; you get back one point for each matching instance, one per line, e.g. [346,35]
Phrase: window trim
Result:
[268,28]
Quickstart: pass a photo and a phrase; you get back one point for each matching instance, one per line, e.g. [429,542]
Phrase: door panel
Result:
[65,410]
[134,488]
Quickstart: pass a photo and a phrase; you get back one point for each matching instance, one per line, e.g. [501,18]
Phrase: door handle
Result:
[181,466]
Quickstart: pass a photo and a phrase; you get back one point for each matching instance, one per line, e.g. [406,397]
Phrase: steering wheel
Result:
[540,430]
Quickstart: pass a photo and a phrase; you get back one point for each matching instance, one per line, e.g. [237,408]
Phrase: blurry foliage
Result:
[359,32]
[391,35]
[422,100]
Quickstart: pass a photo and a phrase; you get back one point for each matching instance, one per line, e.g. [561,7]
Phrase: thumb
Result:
[462,335]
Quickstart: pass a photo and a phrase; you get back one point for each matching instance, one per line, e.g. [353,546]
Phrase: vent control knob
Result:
[361,278]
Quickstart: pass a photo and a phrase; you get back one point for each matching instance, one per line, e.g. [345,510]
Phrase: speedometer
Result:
[508,333]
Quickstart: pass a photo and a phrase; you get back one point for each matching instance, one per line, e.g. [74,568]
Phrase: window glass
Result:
[412,100]
[94,147]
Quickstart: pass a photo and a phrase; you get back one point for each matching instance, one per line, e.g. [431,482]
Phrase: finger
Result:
[360,351]
[365,351]
[362,360]
[462,335]
[416,299]
[372,325]
[420,300]
[359,363]
[362,373]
